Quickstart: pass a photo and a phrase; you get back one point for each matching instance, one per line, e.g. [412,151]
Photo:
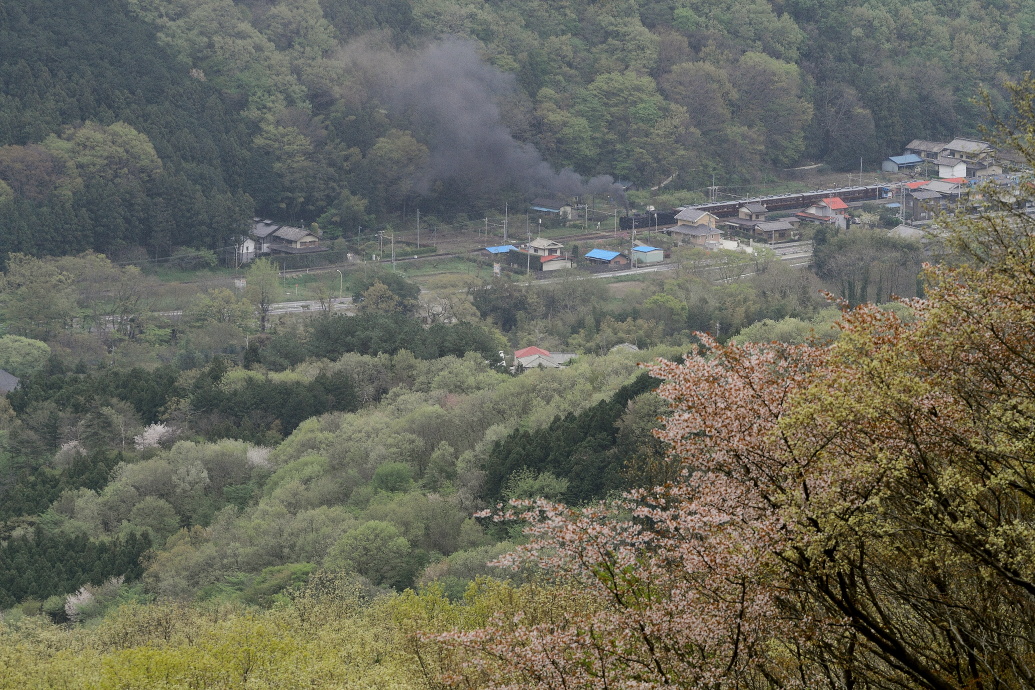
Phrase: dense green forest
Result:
[175,432]
[137,127]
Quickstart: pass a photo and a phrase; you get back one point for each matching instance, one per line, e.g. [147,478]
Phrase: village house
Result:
[961,157]
[752,211]
[830,206]
[703,236]
[288,238]
[924,204]
[830,210]
[542,246]
[269,237]
[951,187]
[978,157]
[927,150]
[775,230]
[604,257]
[538,358]
[695,216]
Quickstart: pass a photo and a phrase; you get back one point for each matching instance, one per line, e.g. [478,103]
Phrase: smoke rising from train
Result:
[451,97]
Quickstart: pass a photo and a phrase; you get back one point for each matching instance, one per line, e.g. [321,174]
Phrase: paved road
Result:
[343,304]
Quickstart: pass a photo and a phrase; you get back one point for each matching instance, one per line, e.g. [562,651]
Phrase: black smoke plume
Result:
[451,97]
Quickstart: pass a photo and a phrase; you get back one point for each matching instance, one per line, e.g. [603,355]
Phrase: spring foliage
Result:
[857,514]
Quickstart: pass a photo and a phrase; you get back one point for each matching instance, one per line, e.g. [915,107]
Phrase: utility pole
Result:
[506,219]
[341,282]
[632,242]
[393,250]
[418,228]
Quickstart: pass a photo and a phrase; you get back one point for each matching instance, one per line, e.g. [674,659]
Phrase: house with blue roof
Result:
[605,257]
[645,254]
[894,164]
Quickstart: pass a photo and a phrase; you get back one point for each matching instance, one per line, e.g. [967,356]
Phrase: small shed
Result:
[894,164]
[556,207]
[645,254]
[606,257]
[496,252]
[555,263]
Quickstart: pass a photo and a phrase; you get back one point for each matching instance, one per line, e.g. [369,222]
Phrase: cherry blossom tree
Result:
[853,515]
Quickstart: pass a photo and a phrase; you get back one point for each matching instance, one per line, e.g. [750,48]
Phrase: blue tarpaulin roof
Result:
[602,254]
[502,249]
[908,159]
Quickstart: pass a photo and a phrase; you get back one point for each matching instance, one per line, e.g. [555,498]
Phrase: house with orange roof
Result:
[836,204]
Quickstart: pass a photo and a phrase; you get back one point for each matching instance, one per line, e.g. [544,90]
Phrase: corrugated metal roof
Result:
[502,249]
[646,249]
[908,159]
[602,254]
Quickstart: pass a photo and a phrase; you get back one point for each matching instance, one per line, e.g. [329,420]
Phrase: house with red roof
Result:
[538,358]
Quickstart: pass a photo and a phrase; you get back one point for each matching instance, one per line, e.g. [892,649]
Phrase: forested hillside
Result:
[733,480]
[137,126]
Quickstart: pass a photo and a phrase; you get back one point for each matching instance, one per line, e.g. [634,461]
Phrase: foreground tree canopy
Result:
[855,515]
